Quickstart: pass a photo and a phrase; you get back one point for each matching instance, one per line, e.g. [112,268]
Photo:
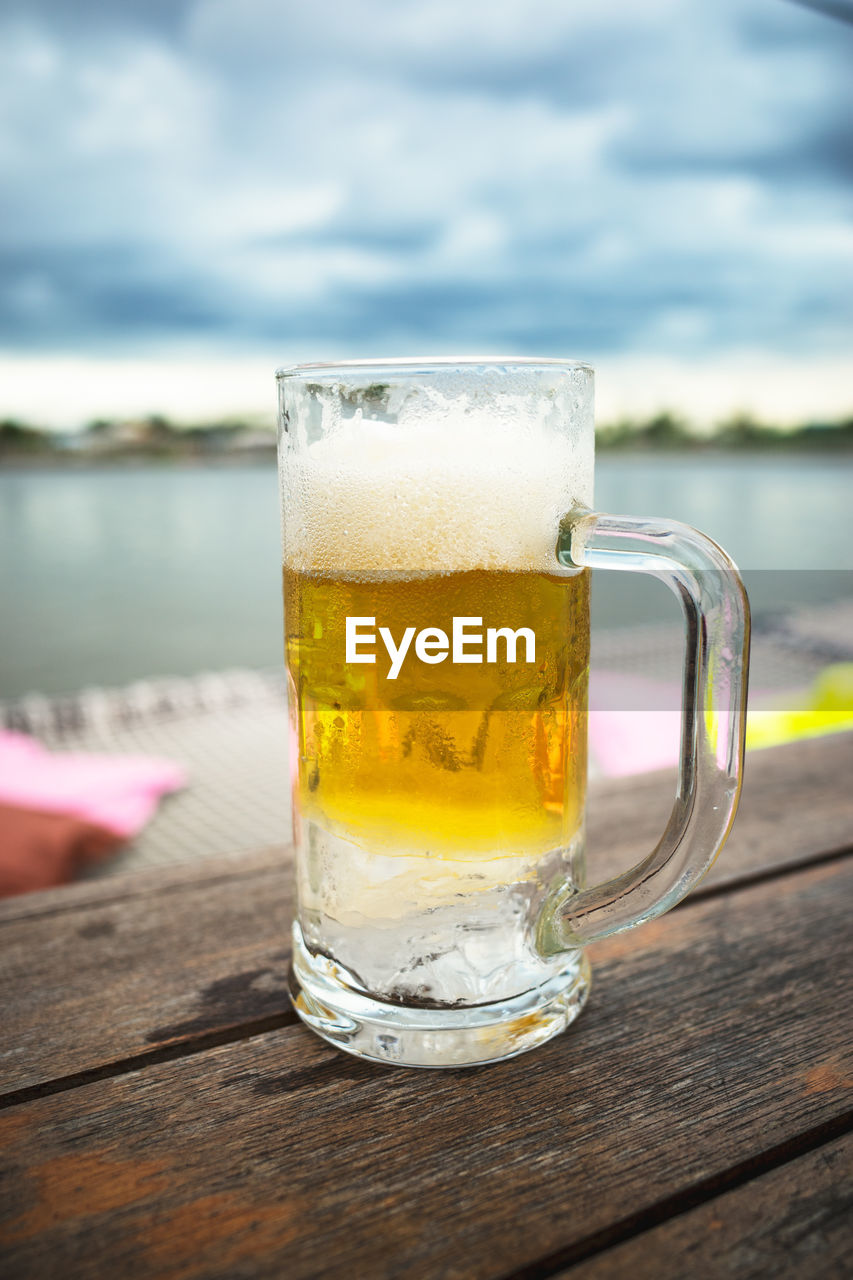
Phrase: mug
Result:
[438,534]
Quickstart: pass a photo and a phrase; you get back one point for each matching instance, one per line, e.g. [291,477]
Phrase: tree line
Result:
[157,437]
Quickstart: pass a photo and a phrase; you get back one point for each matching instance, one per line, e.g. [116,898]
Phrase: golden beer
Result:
[458,761]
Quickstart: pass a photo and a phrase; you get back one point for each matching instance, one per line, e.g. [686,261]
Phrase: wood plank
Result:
[794,1222]
[88,987]
[240,865]
[193,953]
[712,1040]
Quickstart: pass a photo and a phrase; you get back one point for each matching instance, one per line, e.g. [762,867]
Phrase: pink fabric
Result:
[634,723]
[119,793]
[628,742]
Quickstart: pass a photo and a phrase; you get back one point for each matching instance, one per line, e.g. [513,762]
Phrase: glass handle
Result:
[713,719]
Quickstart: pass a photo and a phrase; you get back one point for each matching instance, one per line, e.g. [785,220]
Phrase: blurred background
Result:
[198,191]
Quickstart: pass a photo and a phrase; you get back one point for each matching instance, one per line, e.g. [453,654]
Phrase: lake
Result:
[112,574]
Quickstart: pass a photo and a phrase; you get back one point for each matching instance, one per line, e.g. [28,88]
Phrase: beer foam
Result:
[434,495]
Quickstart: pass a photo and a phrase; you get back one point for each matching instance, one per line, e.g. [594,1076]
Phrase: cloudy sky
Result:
[196,190]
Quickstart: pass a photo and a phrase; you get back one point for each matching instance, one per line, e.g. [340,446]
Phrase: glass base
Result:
[328,1000]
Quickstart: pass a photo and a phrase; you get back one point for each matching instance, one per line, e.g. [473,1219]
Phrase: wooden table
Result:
[165,1115]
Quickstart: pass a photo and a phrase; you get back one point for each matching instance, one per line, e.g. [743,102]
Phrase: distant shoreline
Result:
[131,461]
[155,441]
[267,459]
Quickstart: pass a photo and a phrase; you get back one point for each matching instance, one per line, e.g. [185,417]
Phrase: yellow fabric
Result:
[827,708]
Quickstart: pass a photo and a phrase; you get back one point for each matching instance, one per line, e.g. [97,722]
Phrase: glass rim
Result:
[425,364]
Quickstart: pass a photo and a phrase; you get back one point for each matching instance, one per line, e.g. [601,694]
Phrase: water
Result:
[111,575]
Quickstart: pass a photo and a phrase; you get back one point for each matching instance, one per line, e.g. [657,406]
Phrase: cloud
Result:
[519,174]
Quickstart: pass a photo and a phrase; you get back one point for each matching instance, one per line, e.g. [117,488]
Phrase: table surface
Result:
[164,1114]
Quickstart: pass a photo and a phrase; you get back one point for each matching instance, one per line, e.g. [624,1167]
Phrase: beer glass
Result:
[438,536]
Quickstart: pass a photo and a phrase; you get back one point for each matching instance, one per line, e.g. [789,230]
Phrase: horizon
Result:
[65,393]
